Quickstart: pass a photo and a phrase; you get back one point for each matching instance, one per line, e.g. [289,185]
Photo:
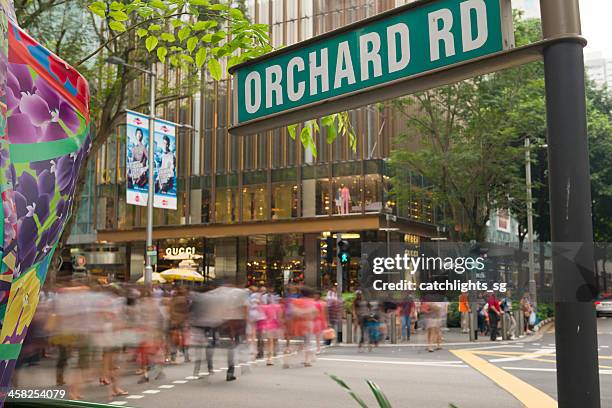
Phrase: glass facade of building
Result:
[264,177]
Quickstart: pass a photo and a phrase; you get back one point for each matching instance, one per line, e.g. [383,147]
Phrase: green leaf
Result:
[207,38]
[329,122]
[118,15]
[168,37]
[141,32]
[191,44]
[200,57]
[98,8]
[348,389]
[176,23]
[203,25]
[218,36]
[158,4]
[236,14]
[291,129]
[219,7]
[187,58]
[305,135]
[115,5]
[174,60]
[184,33]
[381,398]
[151,43]
[199,2]
[154,27]
[161,53]
[214,68]
[116,26]
[233,60]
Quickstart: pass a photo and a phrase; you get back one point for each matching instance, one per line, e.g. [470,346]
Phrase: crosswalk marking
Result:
[150,392]
[135,396]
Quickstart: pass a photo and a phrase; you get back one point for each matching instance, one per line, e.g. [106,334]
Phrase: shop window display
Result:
[255,203]
[347,195]
[225,205]
[284,200]
[373,193]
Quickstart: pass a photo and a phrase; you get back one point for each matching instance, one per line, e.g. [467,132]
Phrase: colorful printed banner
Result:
[44,140]
[137,161]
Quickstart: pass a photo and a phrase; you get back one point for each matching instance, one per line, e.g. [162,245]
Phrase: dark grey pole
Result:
[570,210]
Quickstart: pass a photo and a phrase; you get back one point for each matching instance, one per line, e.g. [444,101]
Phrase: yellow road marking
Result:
[528,395]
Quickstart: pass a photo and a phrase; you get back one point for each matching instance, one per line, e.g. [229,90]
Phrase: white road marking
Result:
[191,377]
[118,403]
[135,396]
[496,347]
[530,369]
[604,372]
[150,392]
[416,363]
[536,354]
[181,381]
[204,374]
[166,386]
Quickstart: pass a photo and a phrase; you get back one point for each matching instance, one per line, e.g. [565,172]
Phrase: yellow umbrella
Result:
[156,278]
[185,274]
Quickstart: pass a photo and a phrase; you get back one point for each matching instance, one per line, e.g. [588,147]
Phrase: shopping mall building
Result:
[255,209]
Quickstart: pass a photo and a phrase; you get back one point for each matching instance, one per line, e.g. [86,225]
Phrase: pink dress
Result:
[271,324]
[320,322]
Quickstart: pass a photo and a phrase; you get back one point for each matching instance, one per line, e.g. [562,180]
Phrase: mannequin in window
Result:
[338,201]
[345,200]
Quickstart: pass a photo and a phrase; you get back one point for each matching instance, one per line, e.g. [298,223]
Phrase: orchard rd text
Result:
[417,40]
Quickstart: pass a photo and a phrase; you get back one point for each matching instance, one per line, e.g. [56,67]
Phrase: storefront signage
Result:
[180,253]
[392,46]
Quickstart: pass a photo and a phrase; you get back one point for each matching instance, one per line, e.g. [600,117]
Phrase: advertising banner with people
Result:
[165,165]
[137,161]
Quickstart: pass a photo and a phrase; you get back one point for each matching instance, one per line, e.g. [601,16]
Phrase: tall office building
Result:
[599,70]
[255,209]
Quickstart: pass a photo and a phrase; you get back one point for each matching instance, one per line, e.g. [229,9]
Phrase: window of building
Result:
[284,200]
[373,193]
[347,195]
[225,205]
[255,203]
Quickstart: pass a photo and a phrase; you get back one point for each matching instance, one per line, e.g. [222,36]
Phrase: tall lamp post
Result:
[532,282]
[148,272]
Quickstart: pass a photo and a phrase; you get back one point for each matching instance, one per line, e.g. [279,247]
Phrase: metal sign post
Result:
[570,209]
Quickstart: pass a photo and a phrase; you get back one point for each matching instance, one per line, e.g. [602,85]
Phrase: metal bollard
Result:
[393,331]
[349,328]
[520,324]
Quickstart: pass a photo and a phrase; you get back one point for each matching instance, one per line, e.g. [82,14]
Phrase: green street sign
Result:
[402,43]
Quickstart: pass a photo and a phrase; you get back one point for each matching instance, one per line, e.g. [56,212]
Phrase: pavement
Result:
[517,373]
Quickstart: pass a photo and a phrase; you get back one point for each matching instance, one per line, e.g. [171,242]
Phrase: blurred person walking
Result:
[510,322]
[527,309]
[407,310]
[303,312]
[271,326]
[321,322]
[495,312]
[151,348]
[464,309]
[361,311]
[179,318]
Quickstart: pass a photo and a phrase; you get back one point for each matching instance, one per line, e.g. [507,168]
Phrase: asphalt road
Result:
[509,374]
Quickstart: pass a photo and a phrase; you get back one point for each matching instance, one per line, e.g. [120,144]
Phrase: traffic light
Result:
[343,251]
[329,249]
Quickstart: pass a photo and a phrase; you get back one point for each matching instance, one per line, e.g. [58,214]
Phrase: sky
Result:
[596,27]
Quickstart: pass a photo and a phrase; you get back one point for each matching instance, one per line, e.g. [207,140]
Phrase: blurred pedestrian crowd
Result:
[102,333]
